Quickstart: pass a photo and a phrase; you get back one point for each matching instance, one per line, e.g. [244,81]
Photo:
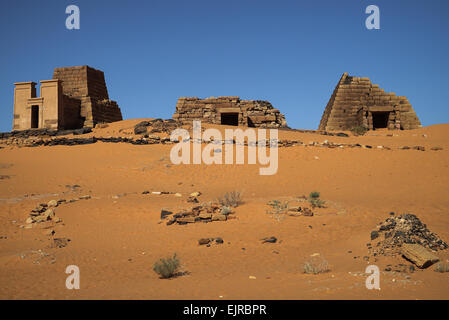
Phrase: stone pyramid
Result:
[357,102]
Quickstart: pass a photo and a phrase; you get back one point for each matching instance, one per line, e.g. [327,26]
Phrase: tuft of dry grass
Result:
[442,267]
[167,268]
[316,265]
[230,199]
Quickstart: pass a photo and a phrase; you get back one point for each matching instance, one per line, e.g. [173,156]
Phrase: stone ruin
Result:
[229,111]
[357,102]
[76,97]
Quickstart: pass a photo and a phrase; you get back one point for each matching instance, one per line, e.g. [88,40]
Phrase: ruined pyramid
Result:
[357,102]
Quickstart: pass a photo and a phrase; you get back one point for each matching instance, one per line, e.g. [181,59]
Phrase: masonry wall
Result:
[71,118]
[89,86]
[256,113]
[23,91]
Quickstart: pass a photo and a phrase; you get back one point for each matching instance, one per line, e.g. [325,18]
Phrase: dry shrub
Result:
[316,265]
[168,267]
[442,267]
[230,199]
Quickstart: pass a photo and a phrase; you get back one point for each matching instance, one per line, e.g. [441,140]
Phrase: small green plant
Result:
[315,201]
[230,199]
[359,130]
[442,267]
[316,265]
[168,267]
[278,209]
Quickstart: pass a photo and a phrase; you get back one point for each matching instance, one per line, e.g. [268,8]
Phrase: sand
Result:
[116,236]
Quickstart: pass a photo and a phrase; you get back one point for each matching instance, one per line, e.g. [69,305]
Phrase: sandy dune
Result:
[116,235]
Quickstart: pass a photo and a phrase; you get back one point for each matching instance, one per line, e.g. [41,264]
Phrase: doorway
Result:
[230,118]
[34,117]
[380,120]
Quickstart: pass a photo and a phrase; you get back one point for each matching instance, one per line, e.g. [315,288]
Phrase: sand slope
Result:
[116,235]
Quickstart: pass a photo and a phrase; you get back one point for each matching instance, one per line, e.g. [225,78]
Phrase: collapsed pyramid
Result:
[357,102]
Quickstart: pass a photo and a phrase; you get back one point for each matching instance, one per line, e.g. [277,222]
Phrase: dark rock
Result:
[269,240]
[374,235]
[204,241]
[165,213]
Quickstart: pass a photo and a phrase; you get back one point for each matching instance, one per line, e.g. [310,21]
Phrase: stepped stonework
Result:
[229,111]
[357,102]
[76,97]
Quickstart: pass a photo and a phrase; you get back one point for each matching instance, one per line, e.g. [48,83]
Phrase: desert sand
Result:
[117,234]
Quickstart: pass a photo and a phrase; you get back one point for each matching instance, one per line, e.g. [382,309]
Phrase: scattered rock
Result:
[52,203]
[307,212]
[219,217]
[207,212]
[204,241]
[195,194]
[192,199]
[165,213]
[60,242]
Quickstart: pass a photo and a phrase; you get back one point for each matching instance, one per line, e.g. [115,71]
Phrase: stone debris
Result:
[193,199]
[396,231]
[209,241]
[156,126]
[165,213]
[207,212]
[296,211]
[57,141]
[45,212]
[60,242]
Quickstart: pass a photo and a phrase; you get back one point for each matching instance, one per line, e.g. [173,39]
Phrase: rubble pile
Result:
[397,231]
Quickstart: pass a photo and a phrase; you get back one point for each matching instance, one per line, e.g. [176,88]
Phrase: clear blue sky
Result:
[291,53]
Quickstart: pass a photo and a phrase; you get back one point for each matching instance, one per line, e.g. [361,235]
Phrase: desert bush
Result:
[225,210]
[315,201]
[359,130]
[168,267]
[230,199]
[442,267]
[316,265]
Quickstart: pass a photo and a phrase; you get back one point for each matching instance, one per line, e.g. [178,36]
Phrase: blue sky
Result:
[291,53]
